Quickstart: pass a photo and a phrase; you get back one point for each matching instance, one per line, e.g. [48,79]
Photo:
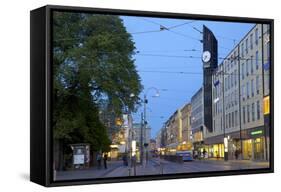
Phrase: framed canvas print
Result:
[122,95]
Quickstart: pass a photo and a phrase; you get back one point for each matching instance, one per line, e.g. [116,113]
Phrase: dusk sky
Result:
[163,60]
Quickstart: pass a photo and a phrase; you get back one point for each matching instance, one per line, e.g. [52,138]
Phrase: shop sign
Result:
[266,104]
[258,132]
[225,140]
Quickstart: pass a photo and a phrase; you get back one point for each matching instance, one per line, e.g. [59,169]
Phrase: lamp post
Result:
[143,127]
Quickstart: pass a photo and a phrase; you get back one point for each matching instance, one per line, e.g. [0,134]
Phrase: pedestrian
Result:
[236,154]
[99,160]
[204,153]
[217,154]
[196,154]
[125,160]
[105,160]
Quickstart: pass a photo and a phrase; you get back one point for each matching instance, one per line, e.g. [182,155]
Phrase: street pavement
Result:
[157,166]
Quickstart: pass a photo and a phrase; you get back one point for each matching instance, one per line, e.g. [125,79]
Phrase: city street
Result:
[156,167]
[110,107]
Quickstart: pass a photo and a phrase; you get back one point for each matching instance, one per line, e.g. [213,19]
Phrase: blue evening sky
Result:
[156,68]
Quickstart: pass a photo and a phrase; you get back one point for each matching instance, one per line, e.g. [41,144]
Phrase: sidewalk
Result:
[92,172]
[115,169]
[239,164]
[212,160]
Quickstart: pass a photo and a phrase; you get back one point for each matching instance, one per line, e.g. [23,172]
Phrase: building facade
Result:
[239,90]
[186,143]
[136,133]
[197,121]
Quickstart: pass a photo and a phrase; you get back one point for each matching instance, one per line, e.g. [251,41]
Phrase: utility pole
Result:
[263,92]
[223,111]
[141,140]
[239,103]
[144,134]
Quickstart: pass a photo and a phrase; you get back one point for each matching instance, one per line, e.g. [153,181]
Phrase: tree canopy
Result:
[92,62]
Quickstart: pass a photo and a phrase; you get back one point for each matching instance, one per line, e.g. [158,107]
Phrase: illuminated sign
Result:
[266,105]
[256,132]
[134,147]
[225,140]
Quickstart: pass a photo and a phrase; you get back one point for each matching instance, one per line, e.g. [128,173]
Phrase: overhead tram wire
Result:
[188,36]
[191,73]
[172,50]
[192,57]
[218,36]
[163,27]
[139,32]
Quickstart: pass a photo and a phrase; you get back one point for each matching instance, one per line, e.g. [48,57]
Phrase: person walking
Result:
[125,160]
[105,160]
[236,154]
[99,157]
[204,154]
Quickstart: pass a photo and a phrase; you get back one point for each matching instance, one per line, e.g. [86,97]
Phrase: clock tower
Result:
[210,63]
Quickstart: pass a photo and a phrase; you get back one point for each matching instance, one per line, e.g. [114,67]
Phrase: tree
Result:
[92,62]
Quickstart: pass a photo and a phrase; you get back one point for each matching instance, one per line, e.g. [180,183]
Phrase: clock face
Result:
[206,56]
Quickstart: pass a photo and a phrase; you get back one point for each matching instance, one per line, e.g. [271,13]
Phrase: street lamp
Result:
[143,134]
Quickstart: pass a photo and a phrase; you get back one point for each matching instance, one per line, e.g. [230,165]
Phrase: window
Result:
[257,84]
[232,99]
[232,118]
[257,59]
[235,76]
[246,47]
[248,91]
[253,111]
[229,79]
[247,67]
[231,62]
[244,115]
[225,84]
[252,65]
[243,92]
[232,79]
[235,58]
[248,113]
[252,87]
[226,122]
[258,110]
[256,36]
[242,49]
[236,97]
[229,119]
[236,118]
[251,41]
[242,70]
[227,66]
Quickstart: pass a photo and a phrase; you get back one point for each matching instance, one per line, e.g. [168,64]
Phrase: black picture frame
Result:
[41,101]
